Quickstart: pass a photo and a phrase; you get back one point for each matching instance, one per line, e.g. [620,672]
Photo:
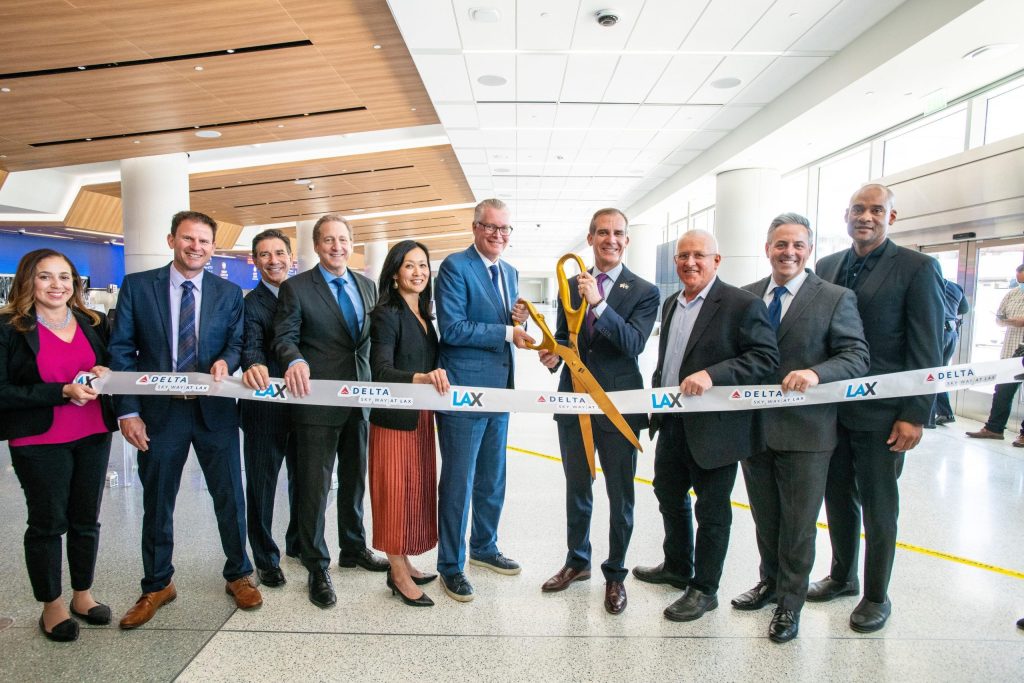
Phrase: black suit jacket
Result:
[900,303]
[26,402]
[308,324]
[620,335]
[734,342]
[821,331]
[262,417]
[399,348]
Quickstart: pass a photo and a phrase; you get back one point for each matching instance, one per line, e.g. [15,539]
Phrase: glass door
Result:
[953,262]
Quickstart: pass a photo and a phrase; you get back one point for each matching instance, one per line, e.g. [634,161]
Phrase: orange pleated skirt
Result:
[403,487]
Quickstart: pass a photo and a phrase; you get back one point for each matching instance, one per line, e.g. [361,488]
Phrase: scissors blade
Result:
[580,373]
[586,431]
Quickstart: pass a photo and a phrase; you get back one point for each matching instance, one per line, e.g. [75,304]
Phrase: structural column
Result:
[303,246]
[746,201]
[642,252]
[375,253]
[153,189]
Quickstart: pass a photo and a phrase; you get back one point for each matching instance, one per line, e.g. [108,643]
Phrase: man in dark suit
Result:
[475,292]
[820,340]
[622,308]
[322,332]
[711,334]
[269,439]
[954,307]
[899,296]
[179,319]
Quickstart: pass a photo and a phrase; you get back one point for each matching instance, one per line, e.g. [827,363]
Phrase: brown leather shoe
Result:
[147,605]
[1019,441]
[614,597]
[565,576]
[245,592]
[985,434]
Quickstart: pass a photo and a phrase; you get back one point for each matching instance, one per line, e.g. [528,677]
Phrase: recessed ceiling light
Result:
[412,109]
[207,133]
[135,142]
[230,52]
[81,68]
[485,15]
[5,89]
[301,181]
[492,79]
[377,46]
[994,50]
[197,68]
[280,125]
[88,139]
[726,83]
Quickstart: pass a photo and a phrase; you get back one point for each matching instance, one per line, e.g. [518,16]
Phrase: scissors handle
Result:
[574,316]
[546,340]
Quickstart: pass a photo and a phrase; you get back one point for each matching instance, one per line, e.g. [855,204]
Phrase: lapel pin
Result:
[623,285]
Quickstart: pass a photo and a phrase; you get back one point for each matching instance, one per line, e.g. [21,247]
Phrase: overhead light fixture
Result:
[207,133]
[230,52]
[136,142]
[5,89]
[485,15]
[280,125]
[302,181]
[81,68]
[377,46]
[726,83]
[987,51]
[197,68]
[492,80]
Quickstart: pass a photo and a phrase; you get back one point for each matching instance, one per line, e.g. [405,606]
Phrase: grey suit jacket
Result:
[821,331]
[309,325]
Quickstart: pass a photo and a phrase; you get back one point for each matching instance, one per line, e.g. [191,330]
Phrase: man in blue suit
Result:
[173,320]
[474,293]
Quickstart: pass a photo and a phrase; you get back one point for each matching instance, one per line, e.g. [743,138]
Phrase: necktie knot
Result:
[187,285]
[780,290]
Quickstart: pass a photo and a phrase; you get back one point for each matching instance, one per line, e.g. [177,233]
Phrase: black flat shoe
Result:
[422,601]
[97,616]
[423,580]
[64,632]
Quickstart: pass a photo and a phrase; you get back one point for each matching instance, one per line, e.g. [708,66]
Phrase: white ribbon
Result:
[482,399]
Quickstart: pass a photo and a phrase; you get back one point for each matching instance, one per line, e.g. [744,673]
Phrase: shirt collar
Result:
[272,288]
[703,294]
[793,286]
[177,279]
[331,277]
[487,262]
[612,274]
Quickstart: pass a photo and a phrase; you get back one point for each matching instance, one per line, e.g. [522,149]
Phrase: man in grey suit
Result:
[821,340]
[899,296]
[323,332]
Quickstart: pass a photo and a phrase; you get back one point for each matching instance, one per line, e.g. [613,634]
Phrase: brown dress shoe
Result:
[565,576]
[245,592]
[985,434]
[147,605]
[614,597]
[1019,441]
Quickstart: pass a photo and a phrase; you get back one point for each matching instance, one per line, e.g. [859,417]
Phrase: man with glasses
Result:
[713,334]
[475,293]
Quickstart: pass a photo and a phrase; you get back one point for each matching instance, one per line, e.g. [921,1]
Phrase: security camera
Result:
[607,17]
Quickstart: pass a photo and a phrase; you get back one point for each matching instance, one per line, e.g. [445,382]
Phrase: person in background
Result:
[1010,315]
[954,307]
[403,459]
[58,431]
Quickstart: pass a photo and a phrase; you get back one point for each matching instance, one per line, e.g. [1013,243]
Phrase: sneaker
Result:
[498,563]
[457,587]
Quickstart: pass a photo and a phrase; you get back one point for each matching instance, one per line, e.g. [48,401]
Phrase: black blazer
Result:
[26,402]
[261,417]
[308,324]
[900,302]
[399,348]
[619,337]
[734,342]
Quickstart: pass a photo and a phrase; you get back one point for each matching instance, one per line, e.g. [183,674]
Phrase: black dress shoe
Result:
[423,580]
[97,616]
[422,601]
[614,597]
[785,625]
[321,591]
[457,587]
[64,632]
[828,588]
[755,598]
[693,605]
[563,578]
[366,560]
[661,575]
[1020,623]
[868,616]
[272,578]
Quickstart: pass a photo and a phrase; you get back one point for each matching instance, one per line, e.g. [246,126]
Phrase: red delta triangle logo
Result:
[929,378]
[143,380]
[541,399]
[344,391]
[736,394]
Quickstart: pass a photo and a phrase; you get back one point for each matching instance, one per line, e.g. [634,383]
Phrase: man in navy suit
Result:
[173,320]
[269,438]
[475,293]
[623,308]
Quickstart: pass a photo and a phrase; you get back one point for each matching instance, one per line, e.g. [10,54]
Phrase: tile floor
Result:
[951,621]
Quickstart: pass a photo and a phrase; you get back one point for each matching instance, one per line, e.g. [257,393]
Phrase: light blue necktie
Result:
[348,311]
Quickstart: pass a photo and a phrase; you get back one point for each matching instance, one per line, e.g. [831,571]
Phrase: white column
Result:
[551,291]
[153,189]
[642,252]
[746,201]
[375,252]
[303,246]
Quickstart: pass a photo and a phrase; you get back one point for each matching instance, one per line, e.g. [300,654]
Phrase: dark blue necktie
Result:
[775,308]
[348,311]
[187,361]
[494,279]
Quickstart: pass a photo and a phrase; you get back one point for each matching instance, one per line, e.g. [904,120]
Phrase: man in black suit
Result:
[899,295]
[711,334]
[821,340]
[269,439]
[322,332]
[622,308]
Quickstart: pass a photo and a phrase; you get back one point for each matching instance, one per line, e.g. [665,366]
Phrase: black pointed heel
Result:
[422,601]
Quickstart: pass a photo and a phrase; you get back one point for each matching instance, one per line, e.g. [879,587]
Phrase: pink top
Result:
[60,361]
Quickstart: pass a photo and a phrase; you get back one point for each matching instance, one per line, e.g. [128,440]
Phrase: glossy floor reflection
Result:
[951,620]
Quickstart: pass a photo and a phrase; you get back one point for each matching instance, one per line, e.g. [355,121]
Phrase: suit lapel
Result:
[478,268]
[162,297]
[830,271]
[707,311]
[365,287]
[666,326]
[803,298]
[32,336]
[330,300]
[877,275]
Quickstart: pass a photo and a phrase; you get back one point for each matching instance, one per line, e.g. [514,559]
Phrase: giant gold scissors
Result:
[583,381]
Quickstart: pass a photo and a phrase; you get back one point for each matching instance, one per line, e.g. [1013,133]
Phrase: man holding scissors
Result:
[621,310]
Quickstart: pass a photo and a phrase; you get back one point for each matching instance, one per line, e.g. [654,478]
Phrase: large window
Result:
[838,179]
[1004,116]
[794,192]
[936,139]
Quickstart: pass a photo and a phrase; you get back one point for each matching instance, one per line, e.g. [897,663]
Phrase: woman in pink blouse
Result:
[59,432]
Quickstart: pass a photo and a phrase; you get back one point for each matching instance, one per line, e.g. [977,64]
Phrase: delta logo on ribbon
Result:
[162,379]
[363,390]
[574,402]
[178,384]
[959,378]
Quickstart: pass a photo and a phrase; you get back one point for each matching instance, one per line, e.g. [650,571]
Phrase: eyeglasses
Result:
[696,256]
[490,229]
